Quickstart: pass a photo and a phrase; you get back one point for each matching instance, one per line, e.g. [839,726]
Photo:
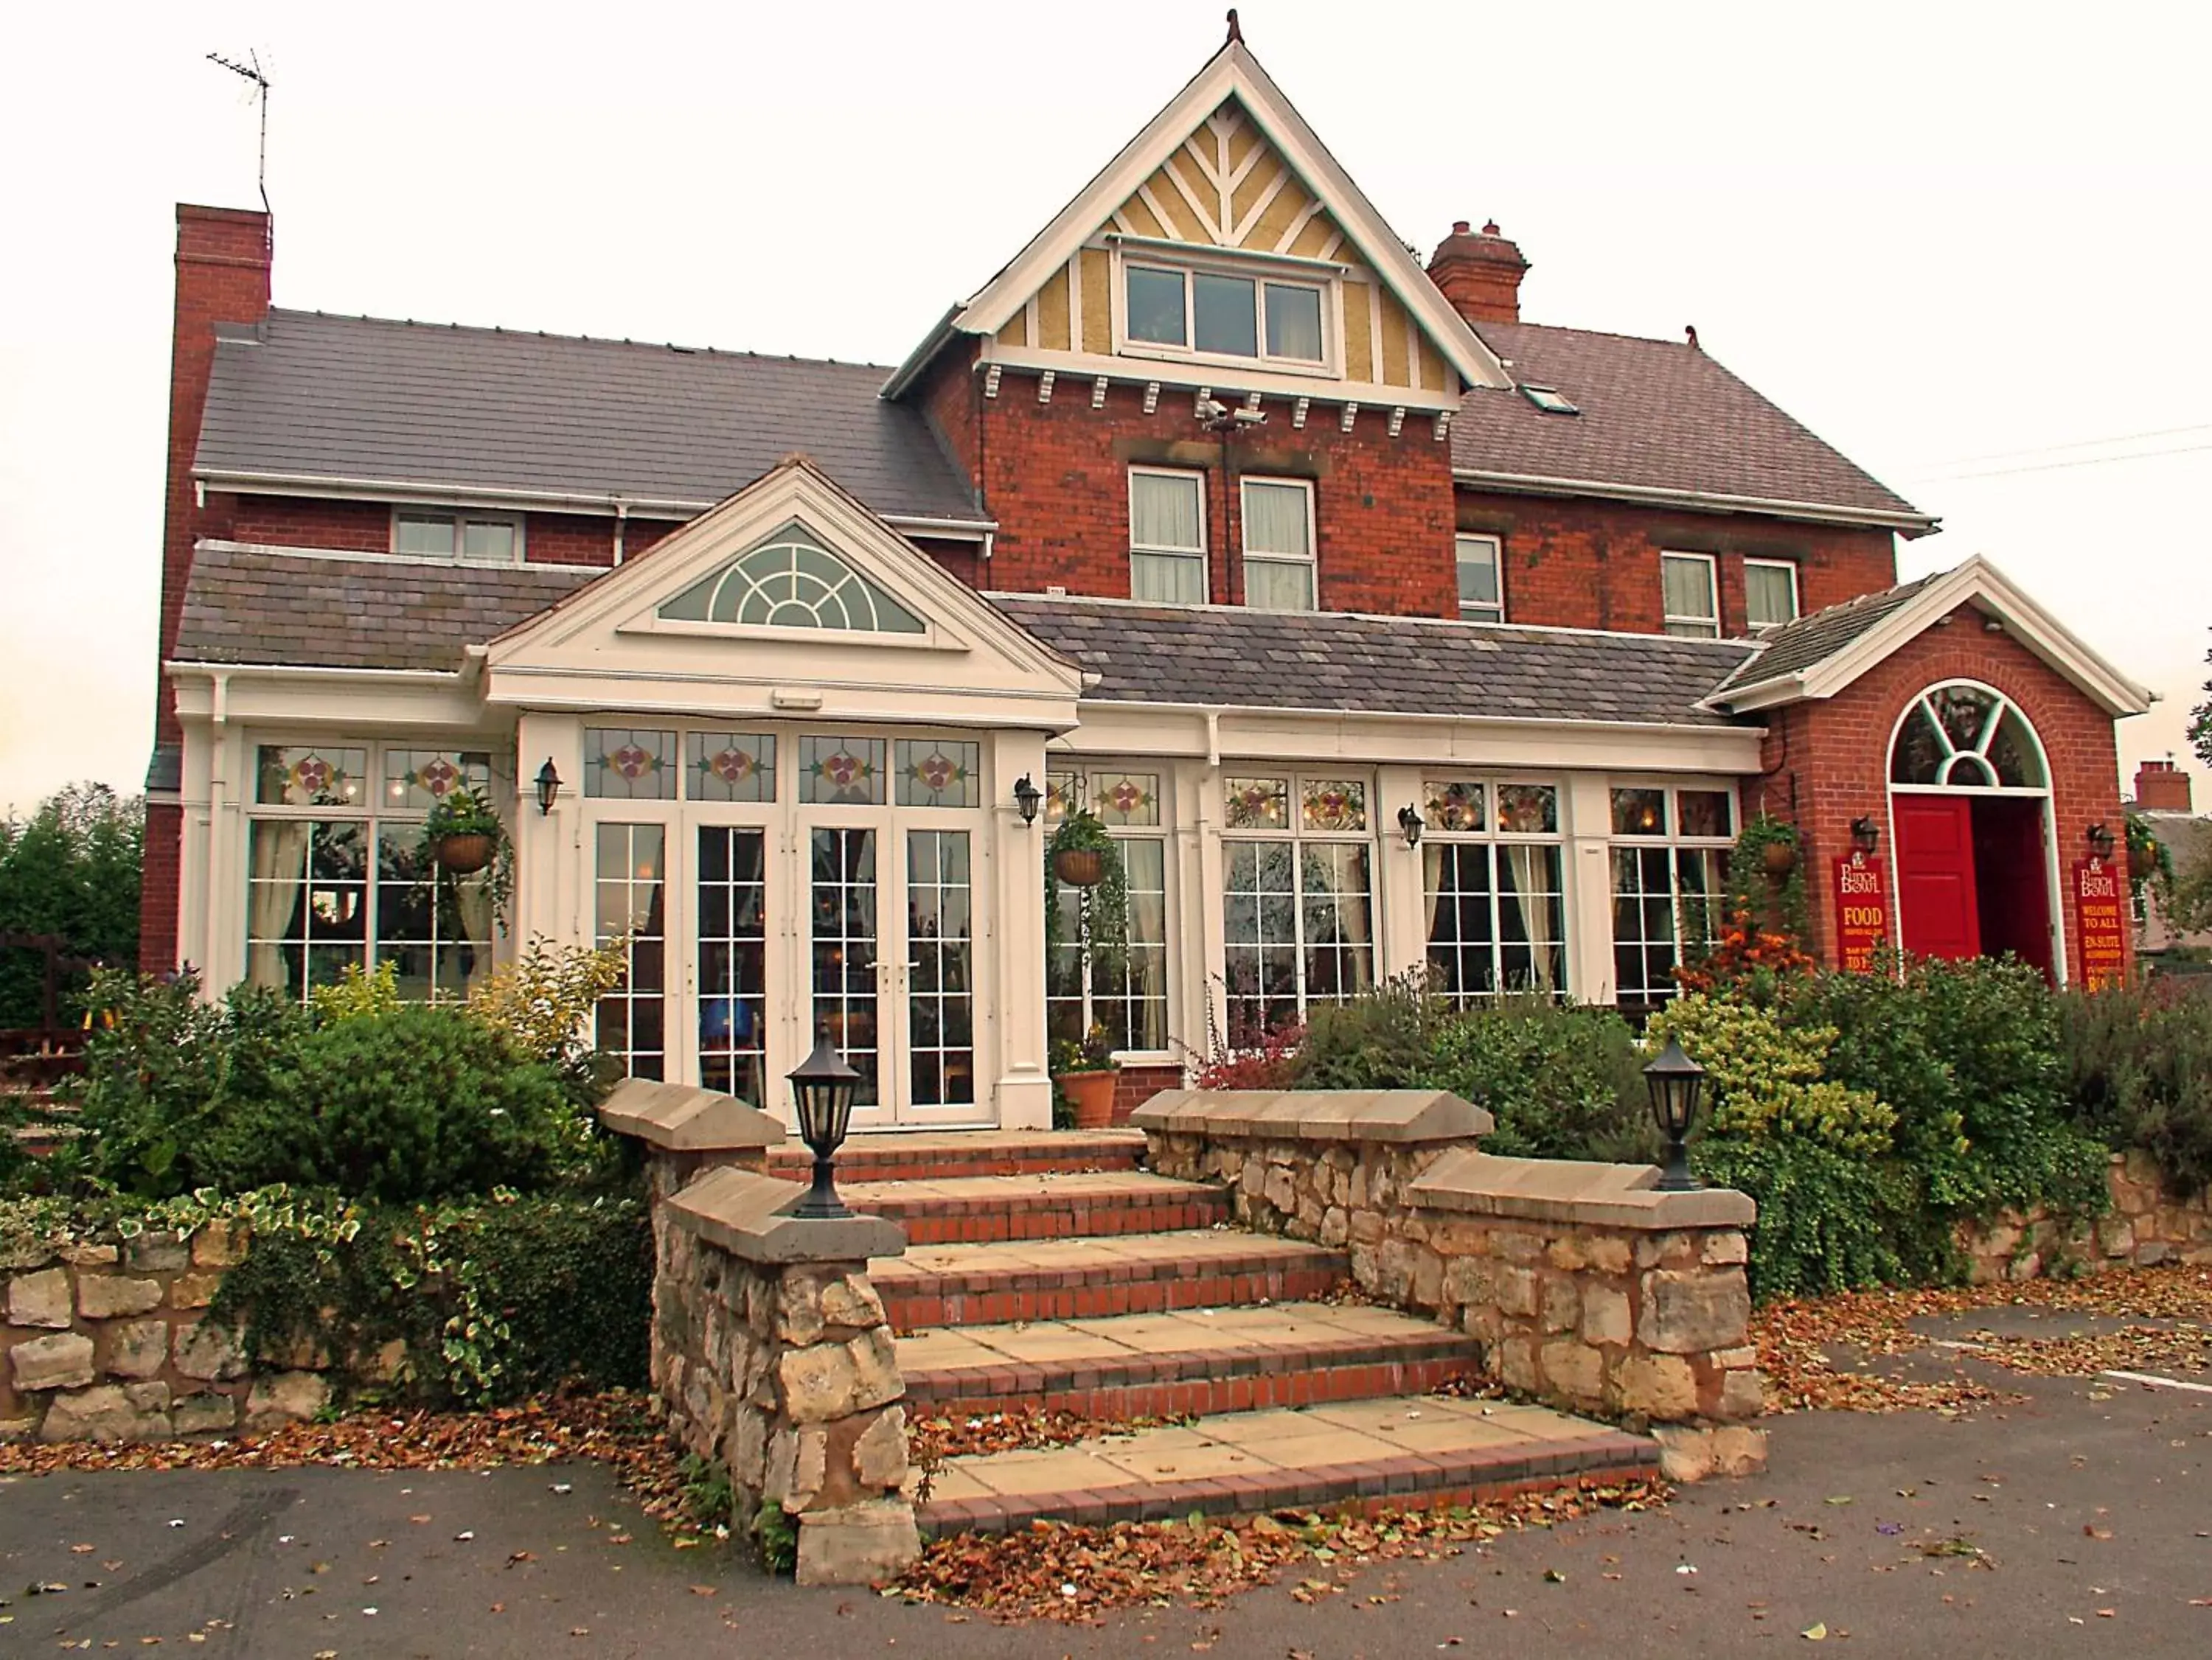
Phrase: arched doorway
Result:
[1970,820]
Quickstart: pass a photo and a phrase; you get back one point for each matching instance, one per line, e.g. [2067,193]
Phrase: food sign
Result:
[1861,910]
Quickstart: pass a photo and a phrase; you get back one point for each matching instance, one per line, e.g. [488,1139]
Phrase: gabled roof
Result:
[494,413]
[1659,418]
[1232,72]
[1229,657]
[1818,655]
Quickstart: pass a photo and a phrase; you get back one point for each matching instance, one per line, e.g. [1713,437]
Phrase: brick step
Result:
[936,1155]
[974,1209]
[958,1285]
[1419,1451]
[1206,1360]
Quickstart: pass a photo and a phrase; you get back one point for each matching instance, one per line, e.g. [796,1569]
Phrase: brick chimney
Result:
[2162,787]
[1480,273]
[222,276]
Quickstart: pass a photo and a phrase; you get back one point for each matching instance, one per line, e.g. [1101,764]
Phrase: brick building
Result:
[1379,626]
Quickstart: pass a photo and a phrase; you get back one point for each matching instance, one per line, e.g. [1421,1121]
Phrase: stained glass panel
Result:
[1126,798]
[934,774]
[1256,804]
[298,777]
[1452,804]
[629,763]
[840,772]
[1528,809]
[1333,804]
[730,766]
[418,779]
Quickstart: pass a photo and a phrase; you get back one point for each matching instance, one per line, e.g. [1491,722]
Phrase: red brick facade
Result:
[1828,762]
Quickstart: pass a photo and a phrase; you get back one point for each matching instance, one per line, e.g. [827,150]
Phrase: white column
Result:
[1589,887]
[1015,856]
[200,880]
[552,869]
[1201,961]
[1403,934]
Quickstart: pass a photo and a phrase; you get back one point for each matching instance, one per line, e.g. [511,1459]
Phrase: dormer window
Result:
[1169,309]
[1551,400]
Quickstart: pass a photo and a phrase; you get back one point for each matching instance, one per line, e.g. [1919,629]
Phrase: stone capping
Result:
[1569,1190]
[1397,1116]
[685,1120]
[742,1211]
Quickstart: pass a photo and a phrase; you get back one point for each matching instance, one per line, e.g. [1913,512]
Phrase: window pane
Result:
[430,535]
[934,774]
[1256,804]
[1156,306]
[1294,322]
[1688,584]
[1167,578]
[1334,804]
[2012,752]
[1704,812]
[303,777]
[1964,711]
[490,540]
[1164,511]
[307,902]
[1276,520]
[1462,921]
[1478,579]
[1770,595]
[630,876]
[1528,809]
[1919,752]
[1278,584]
[1223,317]
[1126,798]
[1453,805]
[1061,790]
[1338,957]
[629,764]
[730,766]
[1531,920]
[418,779]
[841,772]
[1639,812]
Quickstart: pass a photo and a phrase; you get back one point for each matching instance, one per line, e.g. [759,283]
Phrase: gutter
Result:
[1912,523]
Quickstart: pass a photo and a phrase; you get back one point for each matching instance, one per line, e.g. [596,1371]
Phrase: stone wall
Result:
[1586,1286]
[112,1342]
[2147,1226]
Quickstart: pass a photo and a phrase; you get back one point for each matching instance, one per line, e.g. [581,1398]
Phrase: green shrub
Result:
[1563,1082]
[2138,1074]
[1827,1219]
[1383,1038]
[1765,1076]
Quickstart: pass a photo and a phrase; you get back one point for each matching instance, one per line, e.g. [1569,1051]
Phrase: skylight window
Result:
[1550,399]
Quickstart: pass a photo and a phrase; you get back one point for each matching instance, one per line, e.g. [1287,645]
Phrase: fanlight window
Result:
[1966,737]
[791,583]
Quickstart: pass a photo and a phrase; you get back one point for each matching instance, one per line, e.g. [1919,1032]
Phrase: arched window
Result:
[1966,736]
[790,582]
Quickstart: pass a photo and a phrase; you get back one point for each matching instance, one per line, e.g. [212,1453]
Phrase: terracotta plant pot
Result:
[1079,867]
[463,855]
[2142,862]
[1780,857]
[1091,1095]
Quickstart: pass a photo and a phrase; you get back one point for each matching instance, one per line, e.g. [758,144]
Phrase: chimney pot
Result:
[1458,227]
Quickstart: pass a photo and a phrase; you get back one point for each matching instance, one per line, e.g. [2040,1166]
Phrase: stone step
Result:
[936,1155]
[974,1210]
[1422,1450]
[1204,1361]
[962,1285]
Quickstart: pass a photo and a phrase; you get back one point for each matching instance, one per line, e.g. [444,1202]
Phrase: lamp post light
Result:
[823,1087]
[1675,1080]
[1026,797]
[549,786]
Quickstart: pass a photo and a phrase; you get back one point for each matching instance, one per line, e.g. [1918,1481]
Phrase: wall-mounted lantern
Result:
[1866,835]
[1027,796]
[1409,824]
[549,786]
[2101,839]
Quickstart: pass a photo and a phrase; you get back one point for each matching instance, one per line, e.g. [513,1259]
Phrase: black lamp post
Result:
[1675,1080]
[1026,797]
[549,786]
[823,1087]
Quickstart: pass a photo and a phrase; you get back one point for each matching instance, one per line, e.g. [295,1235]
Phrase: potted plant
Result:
[1776,843]
[2146,855]
[1085,1074]
[463,835]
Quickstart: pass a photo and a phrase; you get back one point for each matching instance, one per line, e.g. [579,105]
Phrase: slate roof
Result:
[1798,645]
[364,398]
[246,606]
[1378,665]
[1656,414]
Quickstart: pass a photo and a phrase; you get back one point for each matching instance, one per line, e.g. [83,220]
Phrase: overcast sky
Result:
[1934,233]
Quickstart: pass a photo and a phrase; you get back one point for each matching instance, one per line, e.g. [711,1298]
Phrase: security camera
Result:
[1211,412]
[1251,417]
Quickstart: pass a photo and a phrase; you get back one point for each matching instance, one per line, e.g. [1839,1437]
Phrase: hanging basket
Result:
[1079,867]
[1780,857]
[463,855]
[2142,862]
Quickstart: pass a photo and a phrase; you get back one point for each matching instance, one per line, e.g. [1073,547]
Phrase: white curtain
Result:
[474,912]
[280,865]
[1533,880]
[1163,511]
[1275,519]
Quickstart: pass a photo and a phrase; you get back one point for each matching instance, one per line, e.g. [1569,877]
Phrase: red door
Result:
[1935,875]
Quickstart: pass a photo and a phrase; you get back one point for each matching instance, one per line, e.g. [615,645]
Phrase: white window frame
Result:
[1204,558]
[1082,769]
[1312,559]
[1796,599]
[1325,277]
[1497,545]
[1673,844]
[1692,627]
[461,518]
[1293,833]
[1495,842]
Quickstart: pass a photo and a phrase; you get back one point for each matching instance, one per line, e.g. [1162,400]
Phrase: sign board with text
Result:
[2101,907]
[1861,910]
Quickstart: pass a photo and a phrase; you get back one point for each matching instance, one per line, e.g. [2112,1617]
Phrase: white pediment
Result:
[790,597]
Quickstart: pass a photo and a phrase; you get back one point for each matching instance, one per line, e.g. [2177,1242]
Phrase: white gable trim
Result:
[1980,583]
[1232,72]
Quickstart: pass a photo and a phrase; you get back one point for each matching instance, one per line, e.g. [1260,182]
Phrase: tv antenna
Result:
[251,70]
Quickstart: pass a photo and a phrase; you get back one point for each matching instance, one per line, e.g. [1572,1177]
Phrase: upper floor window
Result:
[1279,545]
[1216,314]
[1167,536]
[1692,595]
[1769,593]
[476,538]
[1481,592]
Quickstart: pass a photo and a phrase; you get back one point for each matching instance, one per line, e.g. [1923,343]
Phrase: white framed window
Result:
[1690,588]
[1492,868]
[1670,862]
[471,538]
[1129,998]
[1167,536]
[1769,593]
[1280,317]
[1481,582]
[1298,908]
[1279,545]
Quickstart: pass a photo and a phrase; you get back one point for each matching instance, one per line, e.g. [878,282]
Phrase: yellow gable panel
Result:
[1053,326]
